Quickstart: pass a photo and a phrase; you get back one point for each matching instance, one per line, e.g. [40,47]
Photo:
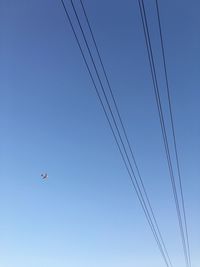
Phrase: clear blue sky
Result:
[86,214]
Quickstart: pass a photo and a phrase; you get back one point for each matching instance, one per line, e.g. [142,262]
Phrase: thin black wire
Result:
[138,192]
[114,117]
[107,117]
[161,118]
[164,131]
[123,127]
[173,129]
[106,97]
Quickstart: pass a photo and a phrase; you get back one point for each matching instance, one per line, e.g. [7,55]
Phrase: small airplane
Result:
[44,175]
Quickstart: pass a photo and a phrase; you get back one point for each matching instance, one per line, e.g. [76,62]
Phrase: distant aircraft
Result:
[44,176]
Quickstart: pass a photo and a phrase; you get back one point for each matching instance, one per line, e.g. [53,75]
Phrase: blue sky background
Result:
[86,214]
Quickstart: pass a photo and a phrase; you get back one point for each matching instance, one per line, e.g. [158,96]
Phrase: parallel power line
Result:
[173,129]
[126,157]
[123,128]
[162,123]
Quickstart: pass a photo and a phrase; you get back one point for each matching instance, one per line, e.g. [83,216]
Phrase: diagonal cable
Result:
[173,129]
[135,184]
[123,128]
[161,118]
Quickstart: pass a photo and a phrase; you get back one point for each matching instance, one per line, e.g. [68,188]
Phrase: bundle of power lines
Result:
[110,108]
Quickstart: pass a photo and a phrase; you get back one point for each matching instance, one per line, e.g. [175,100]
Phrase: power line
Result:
[123,127]
[136,185]
[173,129]
[162,123]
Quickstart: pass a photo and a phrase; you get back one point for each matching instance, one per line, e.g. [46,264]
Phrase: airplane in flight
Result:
[44,175]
